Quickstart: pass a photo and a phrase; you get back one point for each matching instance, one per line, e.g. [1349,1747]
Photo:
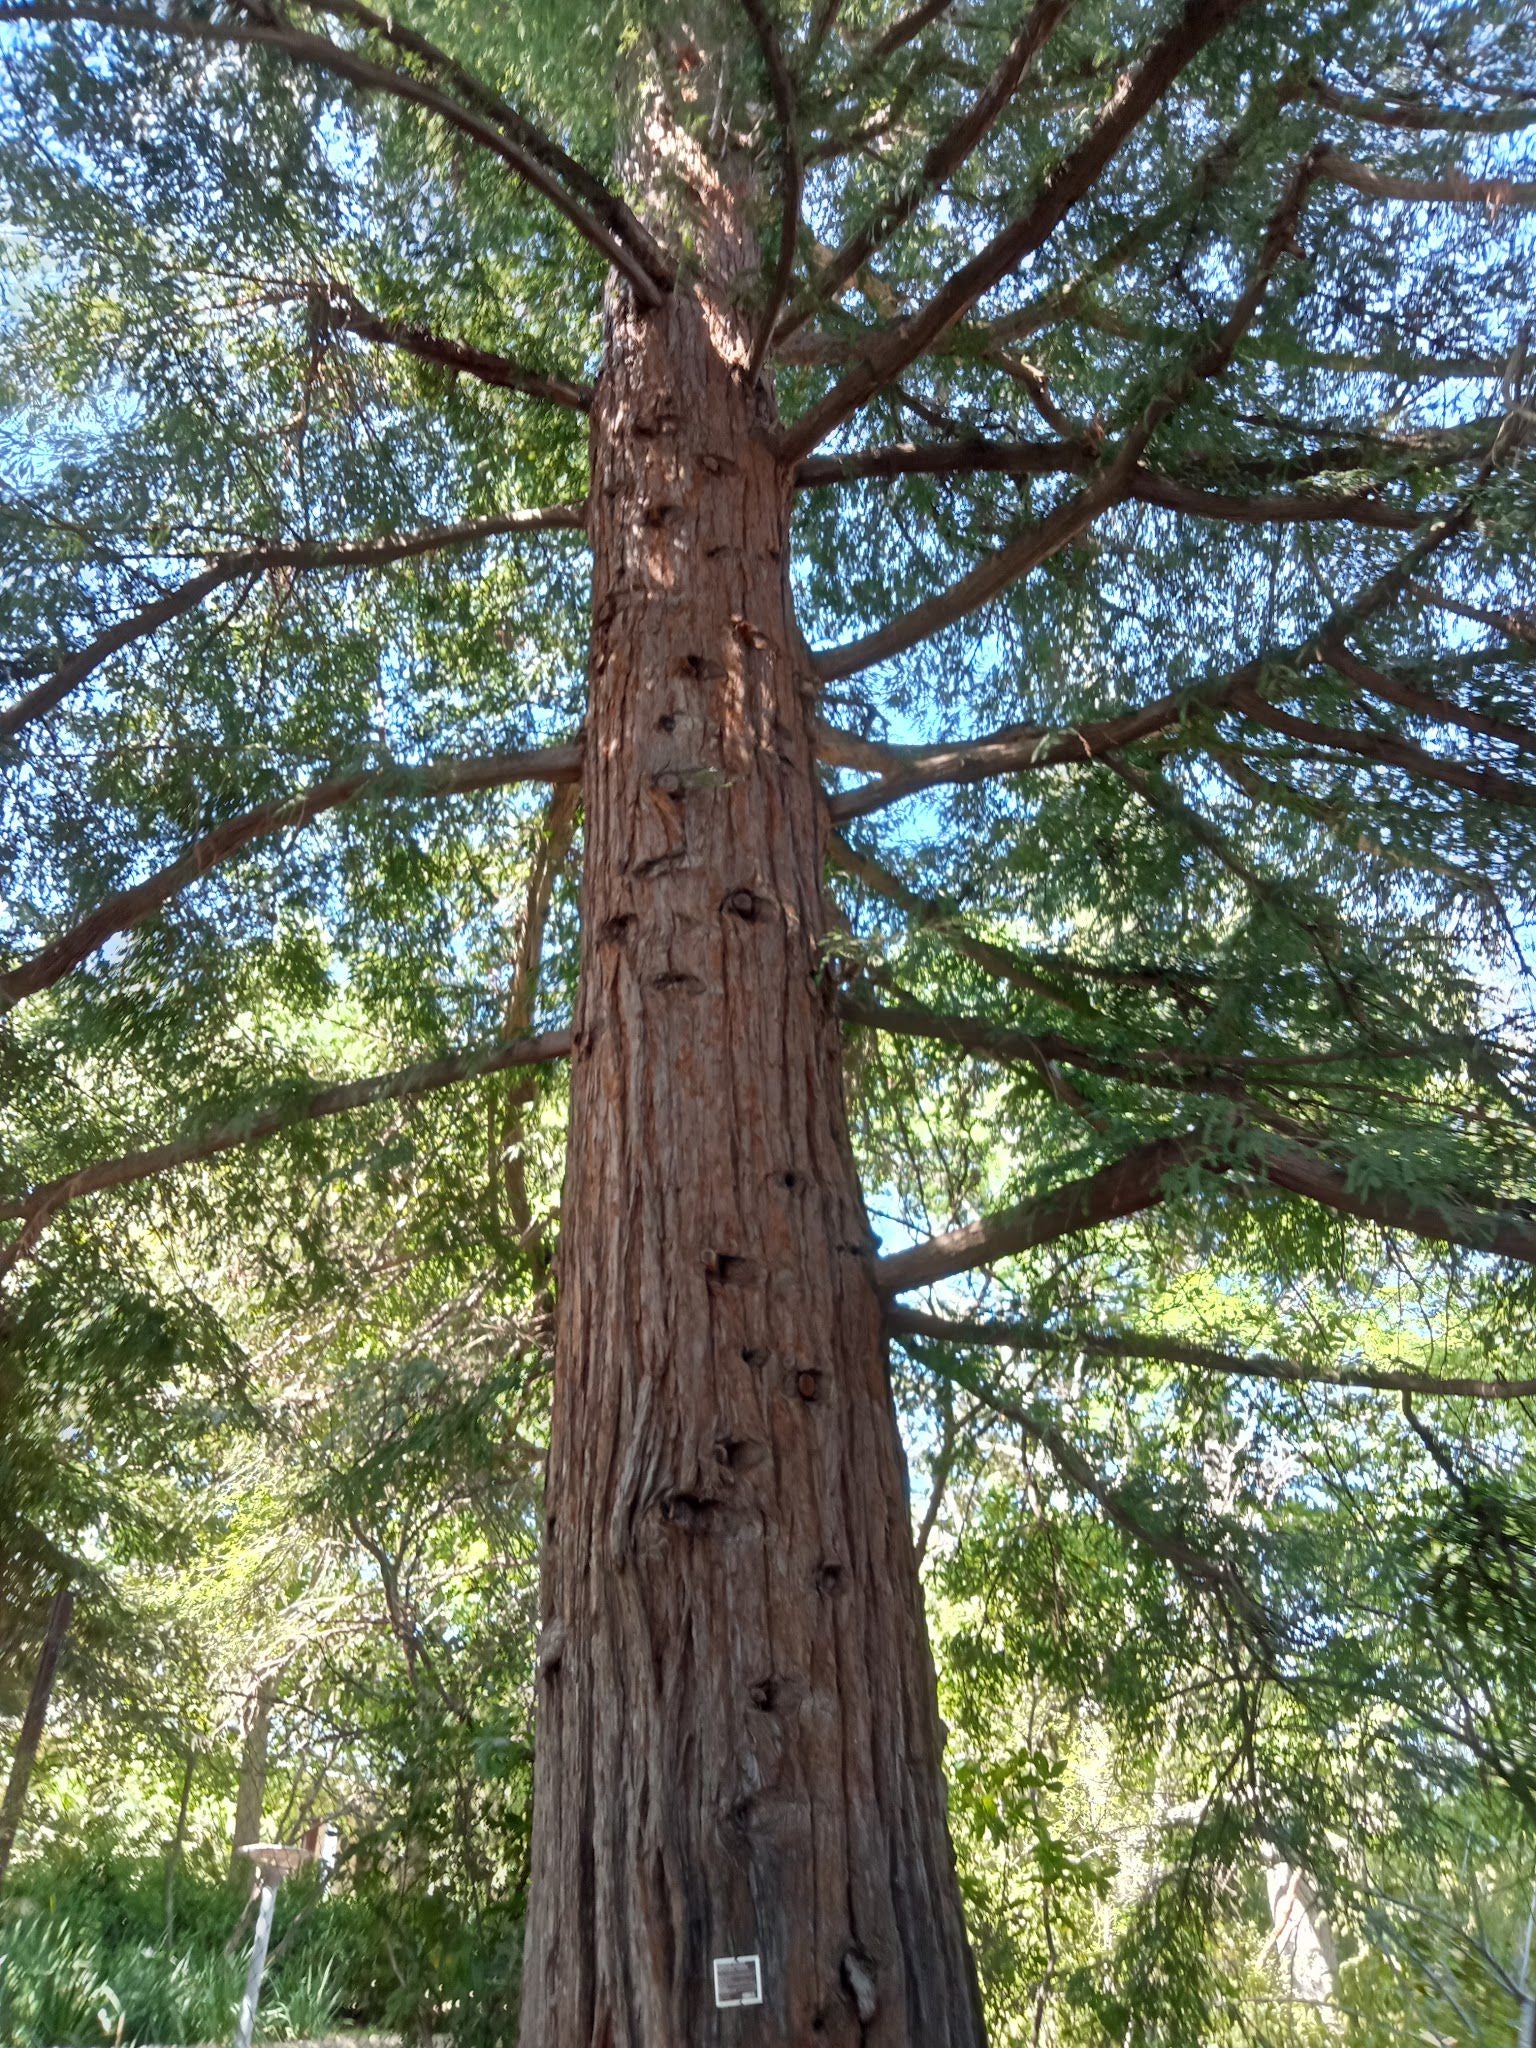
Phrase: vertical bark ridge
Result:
[738,1742]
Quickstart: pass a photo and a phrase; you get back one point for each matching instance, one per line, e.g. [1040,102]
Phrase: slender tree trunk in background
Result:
[738,1741]
[32,1723]
[173,1852]
[251,1788]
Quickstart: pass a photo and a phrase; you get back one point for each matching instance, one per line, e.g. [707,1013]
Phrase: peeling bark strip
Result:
[738,1749]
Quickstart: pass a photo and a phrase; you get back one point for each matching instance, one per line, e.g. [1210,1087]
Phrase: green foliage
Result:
[279,1415]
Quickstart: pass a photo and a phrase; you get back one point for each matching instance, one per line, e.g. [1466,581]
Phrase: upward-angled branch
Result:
[1124,1187]
[905,28]
[130,907]
[1141,90]
[791,176]
[304,555]
[1061,526]
[34,1208]
[1136,1182]
[937,168]
[321,54]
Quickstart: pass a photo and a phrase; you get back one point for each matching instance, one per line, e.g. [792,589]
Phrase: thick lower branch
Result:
[1124,1187]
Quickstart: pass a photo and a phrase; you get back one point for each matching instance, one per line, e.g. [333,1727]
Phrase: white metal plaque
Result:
[738,1980]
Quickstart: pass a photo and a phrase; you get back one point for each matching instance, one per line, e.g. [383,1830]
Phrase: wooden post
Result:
[274,1863]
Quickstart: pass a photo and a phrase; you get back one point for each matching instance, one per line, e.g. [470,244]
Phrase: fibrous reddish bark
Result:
[738,1748]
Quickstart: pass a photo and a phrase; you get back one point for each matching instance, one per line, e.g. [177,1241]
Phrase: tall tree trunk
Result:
[738,1742]
[32,1723]
[250,1788]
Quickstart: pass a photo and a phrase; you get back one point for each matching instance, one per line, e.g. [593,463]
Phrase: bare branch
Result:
[885,358]
[342,312]
[305,555]
[791,177]
[322,54]
[1206,1358]
[131,907]
[937,168]
[1453,189]
[38,1205]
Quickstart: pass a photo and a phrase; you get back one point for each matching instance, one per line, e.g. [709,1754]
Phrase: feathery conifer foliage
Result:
[1151,387]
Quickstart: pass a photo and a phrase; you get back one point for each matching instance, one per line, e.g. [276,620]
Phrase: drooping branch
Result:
[297,555]
[884,358]
[39,1204]
[1513,625]
[938,166]
[130,907]
[1454,188]
[1179,494]
[989,578]
[1203,1358]
[1198,1570]
[1181,1069]
[1145,486]
[341,311]
[557,829]
[791,176]
[623,250]
[1124,1187]
[1001,961]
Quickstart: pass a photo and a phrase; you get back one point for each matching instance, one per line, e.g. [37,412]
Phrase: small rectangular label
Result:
[738,1980]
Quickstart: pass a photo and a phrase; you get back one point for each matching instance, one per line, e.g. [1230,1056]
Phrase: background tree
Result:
[1064,469]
